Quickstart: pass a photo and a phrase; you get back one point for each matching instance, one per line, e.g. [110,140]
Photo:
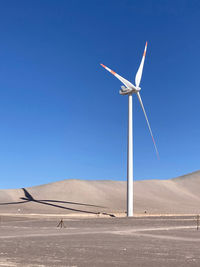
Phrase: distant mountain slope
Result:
[178,195]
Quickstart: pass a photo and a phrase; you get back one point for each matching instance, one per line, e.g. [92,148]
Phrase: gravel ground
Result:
[149,241]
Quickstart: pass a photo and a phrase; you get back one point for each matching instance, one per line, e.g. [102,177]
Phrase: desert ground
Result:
[140,241]
[96,232]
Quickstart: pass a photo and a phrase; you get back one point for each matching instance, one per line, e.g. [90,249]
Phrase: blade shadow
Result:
[29,197]
[69,202]
[12,203]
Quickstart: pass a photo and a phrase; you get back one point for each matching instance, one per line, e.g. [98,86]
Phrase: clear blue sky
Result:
[61,115]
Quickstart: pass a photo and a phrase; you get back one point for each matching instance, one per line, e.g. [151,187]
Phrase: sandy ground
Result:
[97,232]
[176,196]
[150,241]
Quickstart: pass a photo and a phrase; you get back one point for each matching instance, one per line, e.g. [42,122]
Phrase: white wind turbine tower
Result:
[128,89]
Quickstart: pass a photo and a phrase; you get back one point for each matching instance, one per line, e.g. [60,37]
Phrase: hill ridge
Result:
[179,195]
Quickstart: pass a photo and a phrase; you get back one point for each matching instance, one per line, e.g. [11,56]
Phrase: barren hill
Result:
[176,196]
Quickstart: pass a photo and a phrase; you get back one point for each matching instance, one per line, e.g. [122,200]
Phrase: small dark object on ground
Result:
[109,214]
[61,224]
[197,222]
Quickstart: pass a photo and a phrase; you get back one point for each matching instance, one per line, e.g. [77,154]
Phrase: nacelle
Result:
[125,91]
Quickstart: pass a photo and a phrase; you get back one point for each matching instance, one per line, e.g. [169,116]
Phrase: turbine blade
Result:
[138,75]
[123,80]
[140,100]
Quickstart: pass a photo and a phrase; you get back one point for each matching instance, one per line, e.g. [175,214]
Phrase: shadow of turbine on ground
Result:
[29,198]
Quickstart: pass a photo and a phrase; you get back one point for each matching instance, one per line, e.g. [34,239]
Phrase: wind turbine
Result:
[129,89]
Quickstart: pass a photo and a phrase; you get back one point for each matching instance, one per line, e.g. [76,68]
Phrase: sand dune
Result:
[176,196]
